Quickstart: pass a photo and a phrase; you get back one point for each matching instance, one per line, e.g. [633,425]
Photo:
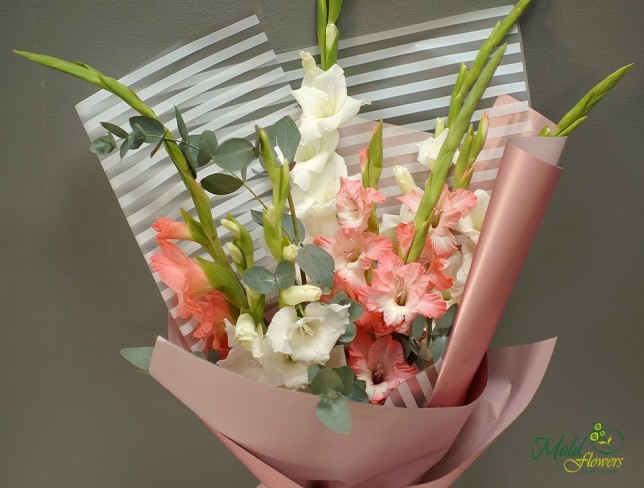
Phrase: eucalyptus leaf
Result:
[326,382]
[348,378]
[334,414]
[349,334]
[213,356]
[257,217]
[438,347]
[285,274]
[418,327]
[136,140]
[103,145]
[221,184]
[234,154]
[115,129]
[181,125]
[156,148]
[259,280]
[199,354]
[358,394]
[150,127]
[447,319]
[313,370]
[285,135]
[138,356]
[317,264]
[207,147]
[287,228]
[125,147]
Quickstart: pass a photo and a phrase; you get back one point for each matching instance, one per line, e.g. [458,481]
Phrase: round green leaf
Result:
[234,154]
[438,347]
[151,128]
[334,414]
[285,135]
[138,356]
[221,184]
[207,147]
[326,382]
[349,334]
[181,125]
[285,274]
[317,264]
[103,145]
[259,279]
[115,129]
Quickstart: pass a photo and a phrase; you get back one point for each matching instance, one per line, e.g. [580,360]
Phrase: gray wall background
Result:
[75,289]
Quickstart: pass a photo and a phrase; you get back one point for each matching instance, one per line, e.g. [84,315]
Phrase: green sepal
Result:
[224,280]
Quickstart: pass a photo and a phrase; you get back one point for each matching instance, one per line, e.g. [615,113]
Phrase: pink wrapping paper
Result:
[274,431]
[525,183]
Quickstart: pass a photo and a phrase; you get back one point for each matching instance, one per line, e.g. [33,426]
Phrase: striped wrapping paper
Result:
[230,80]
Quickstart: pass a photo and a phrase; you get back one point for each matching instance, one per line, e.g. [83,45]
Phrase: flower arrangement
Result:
[353,304]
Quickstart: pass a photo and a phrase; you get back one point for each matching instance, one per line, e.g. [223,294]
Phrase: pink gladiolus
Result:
[183,276]
[353,252]
[171,229]
[212,327]
[380,364]
[354,204]
[401,292]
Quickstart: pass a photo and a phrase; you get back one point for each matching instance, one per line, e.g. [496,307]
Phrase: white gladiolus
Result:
[472,223]
[311,338]
[323,98]
[246,334]
[429,149]
[312,158]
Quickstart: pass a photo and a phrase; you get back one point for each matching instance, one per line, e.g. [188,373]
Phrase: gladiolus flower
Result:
[380,364]
[171,229]
[354,204]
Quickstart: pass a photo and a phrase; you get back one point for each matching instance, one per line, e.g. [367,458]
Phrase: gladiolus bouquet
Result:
[335,309]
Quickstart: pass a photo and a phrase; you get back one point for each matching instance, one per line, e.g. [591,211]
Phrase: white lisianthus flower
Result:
[429,149]
[472,223]
[246,334]
[296,294]
[311,338]
[323,98]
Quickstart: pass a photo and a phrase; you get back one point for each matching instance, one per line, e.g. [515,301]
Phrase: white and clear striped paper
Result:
[231,80]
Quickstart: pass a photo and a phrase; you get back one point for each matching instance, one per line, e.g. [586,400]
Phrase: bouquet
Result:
[329,312]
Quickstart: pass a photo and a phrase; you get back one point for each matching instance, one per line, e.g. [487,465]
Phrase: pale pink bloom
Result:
[363,157]
[450,208]
[401,292]
[380,364]
[354,204]
[171,229]
[354,252]
[183,276]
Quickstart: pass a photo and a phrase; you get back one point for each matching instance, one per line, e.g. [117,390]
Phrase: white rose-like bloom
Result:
[246,334]
[311,338]
[429,149]
[323,98]
[472,223]
[242,361]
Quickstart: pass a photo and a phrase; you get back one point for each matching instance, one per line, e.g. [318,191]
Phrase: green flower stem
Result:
[296,228]
[438,176]
[328,12]
[199,197]
[578,114]
[495,38]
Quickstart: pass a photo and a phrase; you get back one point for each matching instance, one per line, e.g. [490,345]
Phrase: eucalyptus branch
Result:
[199,197]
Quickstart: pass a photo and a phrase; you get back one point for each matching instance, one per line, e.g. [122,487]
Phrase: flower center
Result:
[378,374]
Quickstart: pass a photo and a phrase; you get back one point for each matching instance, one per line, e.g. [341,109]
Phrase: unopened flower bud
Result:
[300,293]
[404,180]
[231,226]
[235,253]
[289,253]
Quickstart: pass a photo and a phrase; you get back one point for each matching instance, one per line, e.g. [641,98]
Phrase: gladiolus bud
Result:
[289,253]
[300,293]
[404,180]
[232,227]
[235,253]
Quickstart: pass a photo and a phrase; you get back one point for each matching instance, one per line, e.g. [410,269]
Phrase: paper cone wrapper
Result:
[523,188]
[275,433]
